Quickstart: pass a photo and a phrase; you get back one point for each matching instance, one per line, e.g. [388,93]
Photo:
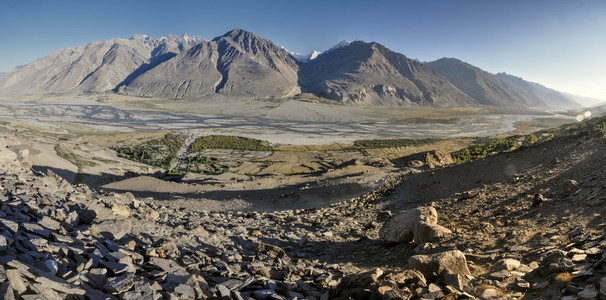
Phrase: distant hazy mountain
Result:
[237,64]
[484,87]
[587,101]
[500,89]
[531,90]
[370,74]
[98,66]
[240,64]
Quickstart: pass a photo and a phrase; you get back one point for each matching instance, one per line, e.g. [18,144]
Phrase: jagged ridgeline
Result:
[242,65]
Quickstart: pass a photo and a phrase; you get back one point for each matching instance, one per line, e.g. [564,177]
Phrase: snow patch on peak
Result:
[192,38]
[314,54]
[304,57]
[341,44]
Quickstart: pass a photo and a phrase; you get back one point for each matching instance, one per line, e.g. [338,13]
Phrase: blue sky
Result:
[560,44]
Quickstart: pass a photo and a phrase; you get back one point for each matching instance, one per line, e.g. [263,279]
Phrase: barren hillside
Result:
[523,223]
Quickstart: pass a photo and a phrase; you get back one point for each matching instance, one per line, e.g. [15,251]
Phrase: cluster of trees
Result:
[482,146]
[392,143]
[228,142]
[159,152]
[212,164]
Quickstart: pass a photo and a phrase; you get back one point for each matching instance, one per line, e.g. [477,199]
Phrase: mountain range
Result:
[240,64]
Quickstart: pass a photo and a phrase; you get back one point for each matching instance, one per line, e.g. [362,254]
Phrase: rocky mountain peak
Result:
[342,43]
[192,38]
[237,34]
[140,37]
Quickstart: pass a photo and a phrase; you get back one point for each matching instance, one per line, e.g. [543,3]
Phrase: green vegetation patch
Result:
[482,146]
[228,142]
[159,152]
[392,143]
[205,165]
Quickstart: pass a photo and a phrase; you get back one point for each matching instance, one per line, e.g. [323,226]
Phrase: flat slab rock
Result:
[120,284]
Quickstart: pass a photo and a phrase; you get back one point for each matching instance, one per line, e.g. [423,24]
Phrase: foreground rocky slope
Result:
[525,223]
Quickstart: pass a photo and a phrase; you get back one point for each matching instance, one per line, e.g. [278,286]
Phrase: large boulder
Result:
[7,156]
[429,233]
[438,158]
[400,228]
[439,264]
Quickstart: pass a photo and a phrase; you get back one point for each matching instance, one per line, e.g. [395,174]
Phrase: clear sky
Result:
[560,44]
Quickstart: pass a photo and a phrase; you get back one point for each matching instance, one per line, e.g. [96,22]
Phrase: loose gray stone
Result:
[223,291]
[263,294]
[522,284]
[36,229]
[603,287]
[457,281]
[87,216]
[7,292]
[489,293]
[185,290]
[111,229]
[60,285]
[589,293]
[232,284]
[49,223]
[116,267]
[142,291]
[72,218]
[52,266]
[500,275]
[49,294]
[120,284]
[16,281]
[509,264]
[98,276]
[578,258]
[167,265]
[562,264]
[2,274]
[12,226]
[3,243]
